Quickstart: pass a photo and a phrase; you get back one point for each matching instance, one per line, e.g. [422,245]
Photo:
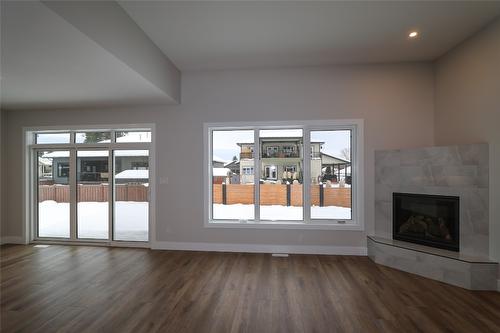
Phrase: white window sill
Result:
[316,225]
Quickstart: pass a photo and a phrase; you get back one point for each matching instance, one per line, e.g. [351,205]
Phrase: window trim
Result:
[357,168]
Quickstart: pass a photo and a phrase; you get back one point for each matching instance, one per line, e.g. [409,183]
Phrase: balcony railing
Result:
[280,154]
[246,155]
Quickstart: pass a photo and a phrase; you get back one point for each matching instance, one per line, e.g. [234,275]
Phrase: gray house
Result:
[282,159]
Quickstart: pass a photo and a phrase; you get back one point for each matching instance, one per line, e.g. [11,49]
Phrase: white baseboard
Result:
[12,240]
[260,248]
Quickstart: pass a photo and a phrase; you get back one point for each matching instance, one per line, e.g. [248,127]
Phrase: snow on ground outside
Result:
[132,217]
[131,221]
[276,212]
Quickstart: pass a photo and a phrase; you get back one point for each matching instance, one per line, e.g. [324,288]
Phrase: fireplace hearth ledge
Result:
[469,272]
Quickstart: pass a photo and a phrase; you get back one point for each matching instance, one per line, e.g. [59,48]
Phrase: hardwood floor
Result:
[98,289]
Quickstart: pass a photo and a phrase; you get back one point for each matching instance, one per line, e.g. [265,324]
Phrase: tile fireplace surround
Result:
[453,171]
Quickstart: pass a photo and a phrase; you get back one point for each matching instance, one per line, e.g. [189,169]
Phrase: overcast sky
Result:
[225,147]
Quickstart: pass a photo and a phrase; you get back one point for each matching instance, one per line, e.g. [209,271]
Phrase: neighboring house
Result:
[281,159]
[92,166]
[44,169]
[220,175]
[335,169]
[234,166]
[132,176]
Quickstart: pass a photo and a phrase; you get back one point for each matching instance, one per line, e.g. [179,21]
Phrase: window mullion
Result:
[306,177]
[34,176]
[256,175]
[73,188]
[111,193]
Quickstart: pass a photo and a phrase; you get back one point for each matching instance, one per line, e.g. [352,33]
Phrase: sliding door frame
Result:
[30,181]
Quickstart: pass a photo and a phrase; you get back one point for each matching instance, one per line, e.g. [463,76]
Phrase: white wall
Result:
[468,107]
[396,102]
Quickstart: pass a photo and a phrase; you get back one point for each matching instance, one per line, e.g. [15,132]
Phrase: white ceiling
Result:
[245,34]
[47,62]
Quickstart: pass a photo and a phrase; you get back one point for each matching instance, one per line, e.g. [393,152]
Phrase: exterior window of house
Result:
[270,172]
[247,170]
[272,151]
[289,151]
[63,170]
[322,189]
[139,165]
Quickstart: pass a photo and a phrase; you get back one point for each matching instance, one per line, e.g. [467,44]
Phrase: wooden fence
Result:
[96,193]
[284,195]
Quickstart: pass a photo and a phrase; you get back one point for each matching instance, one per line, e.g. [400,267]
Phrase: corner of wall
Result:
[1,176]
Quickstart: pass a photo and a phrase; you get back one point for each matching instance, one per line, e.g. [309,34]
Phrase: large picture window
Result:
[260,174]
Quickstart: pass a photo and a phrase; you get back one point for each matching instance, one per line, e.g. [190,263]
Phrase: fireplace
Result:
[431,220]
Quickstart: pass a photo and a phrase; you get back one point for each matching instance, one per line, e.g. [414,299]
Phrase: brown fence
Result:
[272,194]
[96,193]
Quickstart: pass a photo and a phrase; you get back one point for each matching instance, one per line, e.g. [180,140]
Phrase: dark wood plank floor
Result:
[98,289]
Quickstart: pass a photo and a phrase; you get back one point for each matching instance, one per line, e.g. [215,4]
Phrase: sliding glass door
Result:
[92,194]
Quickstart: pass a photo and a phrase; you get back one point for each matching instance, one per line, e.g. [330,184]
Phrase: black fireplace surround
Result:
[431,220]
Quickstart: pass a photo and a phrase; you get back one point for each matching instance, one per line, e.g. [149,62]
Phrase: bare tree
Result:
[345,153]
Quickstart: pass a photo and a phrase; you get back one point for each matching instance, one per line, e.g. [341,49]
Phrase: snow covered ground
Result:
[276,212]
[131,220]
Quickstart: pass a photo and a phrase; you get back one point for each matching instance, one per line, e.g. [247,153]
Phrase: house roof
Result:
[335,160]
[133,174]
[44,161]
[232,163]
[218,159]
[220,172]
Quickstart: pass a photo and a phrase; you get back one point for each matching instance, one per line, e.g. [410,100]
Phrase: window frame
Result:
[357,169]
[30,232]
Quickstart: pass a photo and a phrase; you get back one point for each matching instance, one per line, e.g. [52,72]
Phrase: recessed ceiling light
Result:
[413,34]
